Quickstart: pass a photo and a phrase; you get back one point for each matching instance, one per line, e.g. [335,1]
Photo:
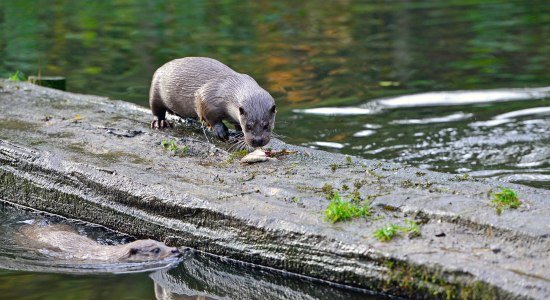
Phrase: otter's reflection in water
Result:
[201,276]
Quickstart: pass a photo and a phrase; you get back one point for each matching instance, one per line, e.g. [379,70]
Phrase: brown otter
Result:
[63,241]
[205,89]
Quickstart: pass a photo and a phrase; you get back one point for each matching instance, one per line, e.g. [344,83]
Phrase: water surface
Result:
[316,54]
[27,272]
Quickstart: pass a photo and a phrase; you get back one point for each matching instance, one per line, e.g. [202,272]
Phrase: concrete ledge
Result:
[94,159]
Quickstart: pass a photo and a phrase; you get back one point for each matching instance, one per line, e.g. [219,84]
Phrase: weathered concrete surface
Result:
[90,158]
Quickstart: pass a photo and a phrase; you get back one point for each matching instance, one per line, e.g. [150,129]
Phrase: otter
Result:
[205,89]
[62,241]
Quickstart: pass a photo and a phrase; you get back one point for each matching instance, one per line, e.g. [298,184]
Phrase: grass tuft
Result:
[412,228]
[172,146]
[505,199]
[17,76]
[388,232]
[340,210]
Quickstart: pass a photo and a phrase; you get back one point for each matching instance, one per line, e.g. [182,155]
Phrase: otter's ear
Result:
[241,111]
[133,251]
[273,109]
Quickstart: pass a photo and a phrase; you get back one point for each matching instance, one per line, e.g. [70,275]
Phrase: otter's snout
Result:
[258,142]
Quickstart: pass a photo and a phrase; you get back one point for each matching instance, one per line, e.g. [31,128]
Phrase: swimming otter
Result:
[205,89]
[63,241]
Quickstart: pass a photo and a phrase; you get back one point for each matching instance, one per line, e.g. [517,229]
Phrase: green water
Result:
[315,54]
[318,54]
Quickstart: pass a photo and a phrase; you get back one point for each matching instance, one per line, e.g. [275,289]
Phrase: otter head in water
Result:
[257,119]
[148,250]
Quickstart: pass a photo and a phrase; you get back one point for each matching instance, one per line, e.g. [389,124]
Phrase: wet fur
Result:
[205,89]
[62,241]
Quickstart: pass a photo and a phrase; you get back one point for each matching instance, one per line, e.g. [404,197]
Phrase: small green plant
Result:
[348,160]
[388,232]
[237,155]
[328,189]
[412,228]
[355,196]
[504,199]
[462,177]
[17,76]
[341,210]
[172,146]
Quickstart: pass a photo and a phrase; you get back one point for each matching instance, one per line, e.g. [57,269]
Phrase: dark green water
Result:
[318,54]
[315,54]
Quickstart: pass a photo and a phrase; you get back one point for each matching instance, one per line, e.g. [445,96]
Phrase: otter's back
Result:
[178,80]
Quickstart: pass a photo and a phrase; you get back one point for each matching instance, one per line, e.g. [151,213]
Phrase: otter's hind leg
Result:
[158,109]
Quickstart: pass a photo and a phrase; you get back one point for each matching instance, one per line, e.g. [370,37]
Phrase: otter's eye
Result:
[156,250]
[248,127]
[266,126]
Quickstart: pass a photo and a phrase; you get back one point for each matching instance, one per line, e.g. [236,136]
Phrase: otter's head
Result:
[257,119]
[148,250]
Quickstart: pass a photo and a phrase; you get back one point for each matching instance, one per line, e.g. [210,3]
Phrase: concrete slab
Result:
[94,159]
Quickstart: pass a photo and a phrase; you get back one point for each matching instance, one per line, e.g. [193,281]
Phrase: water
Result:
[329,54]
[336,68]
[27,272]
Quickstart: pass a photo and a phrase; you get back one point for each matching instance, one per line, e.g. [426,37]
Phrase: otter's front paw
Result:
[221,131]
[160,124]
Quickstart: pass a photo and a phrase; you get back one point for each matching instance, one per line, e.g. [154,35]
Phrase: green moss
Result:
[410,184]
[505,199]
[236,155]
[462,177]
[411,228]
[355,196]
[375,175]
[328,189]
[416,281]
[347,164]
[172,146]
[342,210]
[388,232]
